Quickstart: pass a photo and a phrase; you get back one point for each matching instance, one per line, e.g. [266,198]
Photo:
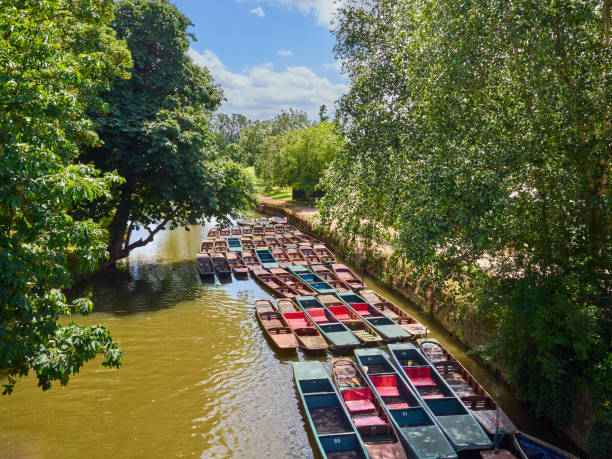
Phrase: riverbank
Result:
[471,330]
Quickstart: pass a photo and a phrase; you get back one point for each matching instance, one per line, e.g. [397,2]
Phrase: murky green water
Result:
[198,380]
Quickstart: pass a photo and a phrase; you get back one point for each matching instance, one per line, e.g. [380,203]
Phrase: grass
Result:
[280,193]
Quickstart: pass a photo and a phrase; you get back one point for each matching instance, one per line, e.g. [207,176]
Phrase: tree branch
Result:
[142,242]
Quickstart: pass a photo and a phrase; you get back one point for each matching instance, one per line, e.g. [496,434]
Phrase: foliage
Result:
[156,133]
[54,57]
[299,158]
[227,130]
[479,132]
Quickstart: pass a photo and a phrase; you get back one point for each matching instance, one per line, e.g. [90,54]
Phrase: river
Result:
[198,378]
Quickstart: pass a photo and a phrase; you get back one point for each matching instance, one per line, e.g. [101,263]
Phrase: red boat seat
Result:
[362,308]
[433,396]
[420,376]
[386,385]
[341,312]
[318,315]
[358,400]
[367,421]
[296,319]
[399,405]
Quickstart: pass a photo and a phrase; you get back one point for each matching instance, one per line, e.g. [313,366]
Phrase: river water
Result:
[198,379]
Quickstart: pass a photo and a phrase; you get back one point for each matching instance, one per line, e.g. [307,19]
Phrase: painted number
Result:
[336,441]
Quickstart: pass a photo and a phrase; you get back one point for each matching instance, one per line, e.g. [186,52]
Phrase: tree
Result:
[157,135]
[55,55]
[228,128]
[482,130]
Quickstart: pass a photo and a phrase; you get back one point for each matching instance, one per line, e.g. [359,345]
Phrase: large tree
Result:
[55,55]
[480,132]
[157,134]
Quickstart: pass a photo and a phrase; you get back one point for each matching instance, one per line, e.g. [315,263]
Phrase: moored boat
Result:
[208,245]
[234,244]
[205,265]
[236,263]
[236,231]
[247,243]
[314,281]
[269,230]
[224,232]
[366,411]
[334,331]
[222,267]
[213,233]
[348,276]
[330,277]
[281,257]
[305,238]
[295,256]
[413,421]
[528,447]
[334,433]
[247,231]
[303,328]
[258,230]
[220,245]
[309,254]
[385,327]
[274,283]
[279,228]
[272,243]
[284,241]
[259,242]
[250,260]
[324,254]
[461,428]
[472,394]
[266,258]
[291,281]
[275,326]
[359,327]
[394,312]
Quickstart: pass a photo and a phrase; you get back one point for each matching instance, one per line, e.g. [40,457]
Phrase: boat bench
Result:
[362,308]
[341,312]
[358,400]
[420,376]
[386,385]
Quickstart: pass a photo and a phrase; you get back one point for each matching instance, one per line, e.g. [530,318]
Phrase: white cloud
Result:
[259,12]
[284,52]
[261,92]
[323,10]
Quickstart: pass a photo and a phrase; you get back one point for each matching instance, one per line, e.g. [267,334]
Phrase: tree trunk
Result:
[119,224]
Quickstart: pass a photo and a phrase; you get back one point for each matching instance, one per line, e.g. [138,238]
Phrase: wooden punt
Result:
[324,253]
[360,328]
[274,283]
[221,264]
[366,411]
[394,312]
[208,245]
[412,419]
[205,265]
[528,447]
[275,326]
[269,230]
[234,244]
[303,328]
[456,421]
[213,233]
[334,331]
[220,245]
[262,221]
[272,243]
[309,254]
[314,281]
[279,228]
[330,277]
[295,256]
[385,327]
[225,232]
[472,394]
[348,276]
[284,241]
[250,260]
[289,228]
[330,424]
[306,239]
[236,263]
[258,230]
[289,279]
[247,231]
[266,258]
[259,242]
[236,231]
[277,219]
[294,240]
[245,222]
[247,243]
[281,257]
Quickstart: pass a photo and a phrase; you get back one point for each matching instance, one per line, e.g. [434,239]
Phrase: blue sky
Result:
[267,54]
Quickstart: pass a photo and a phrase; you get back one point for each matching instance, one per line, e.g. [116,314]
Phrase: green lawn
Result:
[283,194]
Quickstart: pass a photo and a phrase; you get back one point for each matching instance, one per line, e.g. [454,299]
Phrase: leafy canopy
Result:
[55,55]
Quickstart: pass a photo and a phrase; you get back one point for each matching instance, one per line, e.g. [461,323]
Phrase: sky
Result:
[267,54]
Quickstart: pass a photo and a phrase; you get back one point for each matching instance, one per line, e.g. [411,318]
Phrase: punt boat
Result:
[269,230]
[220,245]
[225,232]
[306,239]
[236,231]
[275,326]
[385,327]
[309,254]
[208,245]
[222,267]
[237,265]
[247,243]
[394,312]
[360,328]
[528,447]
[324,254]
[303,328]
[284,241]
[414,422]
[250,260]
[259,242]
[271,242]
[274,283]
[204,265]
[281,258]
[247,231]
[258,230]
[330,277]
[329,422]
[262,221]
[295,256]
[472,394]
[276,219]
[266,258]
[213,233]
[366,411]
[348,276]
[293,239]
[234,244]
[291,281]
[318,284]
[289,228]
[279,228]
[460,427]
[245,222]
[334,331]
